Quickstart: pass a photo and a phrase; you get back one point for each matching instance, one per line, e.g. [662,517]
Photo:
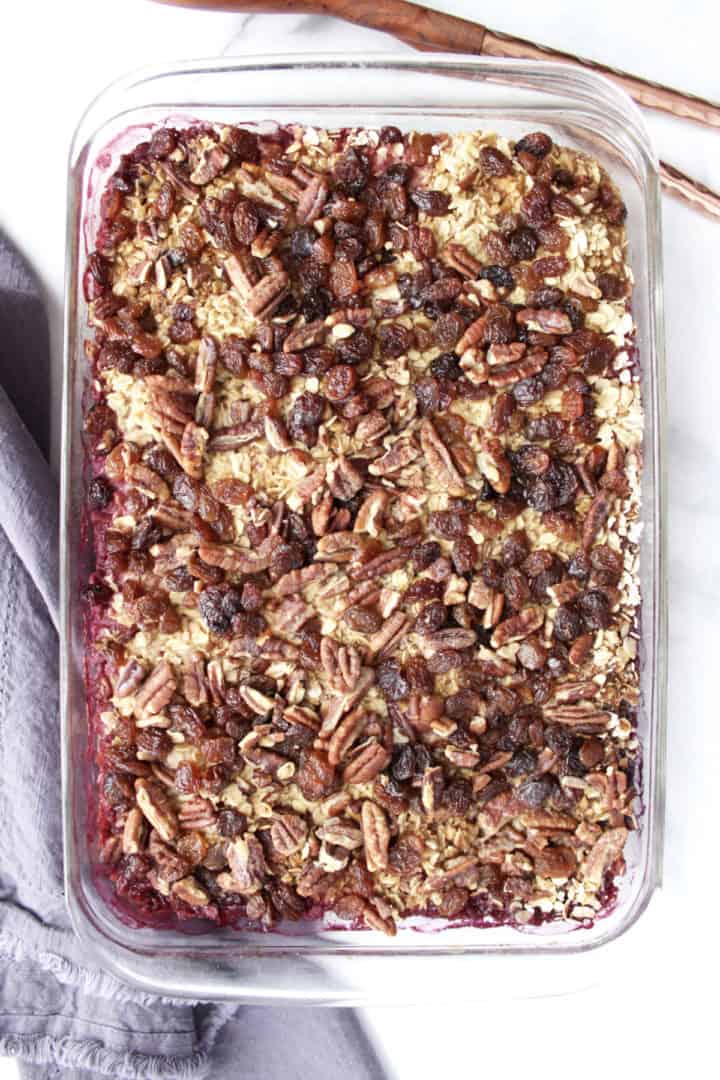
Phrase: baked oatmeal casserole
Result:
[363,434]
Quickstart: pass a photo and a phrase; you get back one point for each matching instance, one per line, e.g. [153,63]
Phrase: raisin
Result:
[463,705]
[244,145]
[595,610]
[287,556]
[536,204]
[522,762]
[432,203]
[343,280]
[530,460]
[305,417]
[497,249]
[431,618]
[402,766]
[352,171]
[568,623]
[611,286]
[448,330]
[154,743]
[394,340]
[529,391]
[417,675]
[464,555]
[340,382]
[433,395]
[536,792]
[523,243]
[246,221]
[391,680]
[162,143]
[99,493]
[181,332]
[425,554]
[450,524]
[355,349]
[363,620]
[231,823]
[318,361]
[494,162]
[424,589]
[458,797]
[499,325]
[218,606]
[492,573]
[446,366]
[536,143]
[515,587]
[498,276]
[233,355]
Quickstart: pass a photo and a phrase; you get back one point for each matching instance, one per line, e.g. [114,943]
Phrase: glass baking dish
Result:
[429,93]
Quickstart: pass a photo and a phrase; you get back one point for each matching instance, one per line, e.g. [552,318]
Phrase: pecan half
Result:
[206,365]
[304,337]
[376,836]
[494,465]
[344,480]
[130,677]
[439,460]
[345,735]
[157,690]
[192,449]
[268,294]
[399,455]
[247,864]
[340,833]
[366,764]
[311,202]
[603,853]
[288,833]
[156,807]
[370,515]
[458,256]
[518,627]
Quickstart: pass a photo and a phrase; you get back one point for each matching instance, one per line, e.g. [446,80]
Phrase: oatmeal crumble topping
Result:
[364,442]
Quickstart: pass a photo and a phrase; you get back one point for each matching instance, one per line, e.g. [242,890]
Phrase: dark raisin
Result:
[463,705]
[433,395]
[458,797]
[536,143]
[305,417]
[535,792]
[340,382]
[464,554]
[522,762]
[390,135]
[494,162]
[355,349]
[162,143]
[446,366]
[243,145]
[595,610]
[523,243]
[352,170]
[529,391]
[99,493]
[391,680]
[417,675]
[568,623]
[450,524]
[611,286]
[536,204]
[402,766]
[424,589]
[218,606]
[425,554]
[500,277]
[432,203]
[431,618]
[394,339]
[492,573]
[231,823]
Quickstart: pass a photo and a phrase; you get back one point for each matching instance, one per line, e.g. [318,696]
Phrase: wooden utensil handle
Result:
[424,28]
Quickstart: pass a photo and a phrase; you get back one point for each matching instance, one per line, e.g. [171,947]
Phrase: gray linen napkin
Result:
[60,1014]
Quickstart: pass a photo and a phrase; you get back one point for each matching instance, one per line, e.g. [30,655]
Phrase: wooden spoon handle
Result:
[435,31]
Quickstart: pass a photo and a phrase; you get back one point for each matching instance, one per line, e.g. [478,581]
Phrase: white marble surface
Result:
[655,1004]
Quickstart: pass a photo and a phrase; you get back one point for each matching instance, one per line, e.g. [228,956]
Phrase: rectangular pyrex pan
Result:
[434,94]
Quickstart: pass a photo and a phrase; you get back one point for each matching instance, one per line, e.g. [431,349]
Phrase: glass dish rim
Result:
[596,93]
